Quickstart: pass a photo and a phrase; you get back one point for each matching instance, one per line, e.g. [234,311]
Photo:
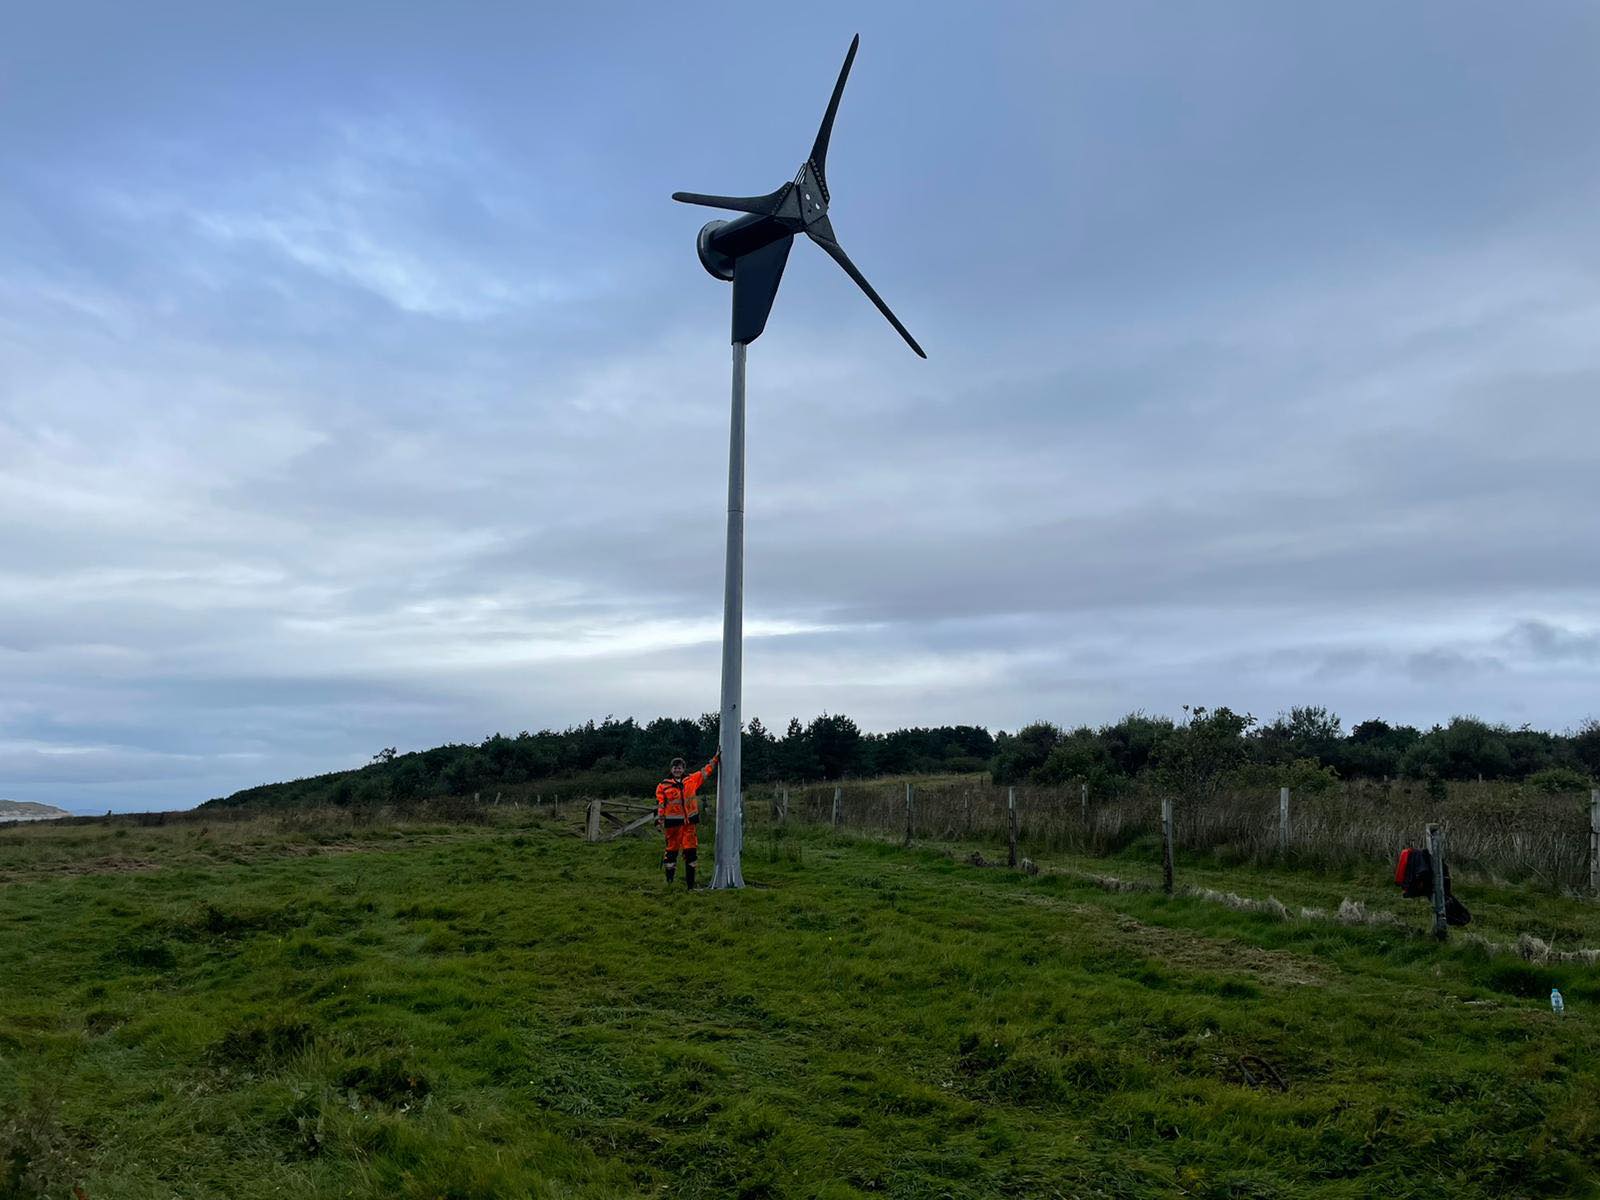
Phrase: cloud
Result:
[1545,642]
[357,209]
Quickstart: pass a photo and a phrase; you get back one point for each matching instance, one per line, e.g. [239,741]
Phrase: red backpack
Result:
[1413,872]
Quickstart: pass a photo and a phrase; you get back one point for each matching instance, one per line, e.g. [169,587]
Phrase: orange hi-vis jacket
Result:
[675,798]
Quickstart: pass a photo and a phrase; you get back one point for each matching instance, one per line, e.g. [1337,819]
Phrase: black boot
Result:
[688,875]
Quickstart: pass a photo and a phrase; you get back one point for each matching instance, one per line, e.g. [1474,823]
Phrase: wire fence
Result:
[1499,830]
[1517,835]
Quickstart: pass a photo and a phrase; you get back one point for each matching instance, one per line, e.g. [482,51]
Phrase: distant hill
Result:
[26,810]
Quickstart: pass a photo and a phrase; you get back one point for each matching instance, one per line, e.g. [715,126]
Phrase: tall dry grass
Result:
[1500,830]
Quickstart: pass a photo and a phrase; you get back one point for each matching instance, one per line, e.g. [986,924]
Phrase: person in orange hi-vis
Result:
[678,816]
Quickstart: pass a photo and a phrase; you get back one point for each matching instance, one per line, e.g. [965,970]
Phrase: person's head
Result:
[677,768]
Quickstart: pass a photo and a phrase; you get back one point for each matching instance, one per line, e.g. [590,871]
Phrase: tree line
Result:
[623,755]
[1306,747]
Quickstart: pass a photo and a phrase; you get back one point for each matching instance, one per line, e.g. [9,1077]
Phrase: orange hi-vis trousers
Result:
[682,837]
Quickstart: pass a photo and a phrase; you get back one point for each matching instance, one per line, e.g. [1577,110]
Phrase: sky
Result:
[360,387]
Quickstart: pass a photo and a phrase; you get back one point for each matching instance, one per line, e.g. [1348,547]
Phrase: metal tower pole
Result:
[730,807]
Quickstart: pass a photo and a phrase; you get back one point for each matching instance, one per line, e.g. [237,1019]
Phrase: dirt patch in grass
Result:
[233,854]
[313,849]
[390,1082]
[111,864]
[1190,950]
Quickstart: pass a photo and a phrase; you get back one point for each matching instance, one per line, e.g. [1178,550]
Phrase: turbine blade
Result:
[821,232]
[764,205]
[819,148]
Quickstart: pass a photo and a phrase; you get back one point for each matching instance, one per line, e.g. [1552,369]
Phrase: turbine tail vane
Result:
[755,286]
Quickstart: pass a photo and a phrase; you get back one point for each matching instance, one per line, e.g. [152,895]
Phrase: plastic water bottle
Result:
[1557,1004]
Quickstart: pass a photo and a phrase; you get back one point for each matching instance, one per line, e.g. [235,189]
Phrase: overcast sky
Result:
[359,385]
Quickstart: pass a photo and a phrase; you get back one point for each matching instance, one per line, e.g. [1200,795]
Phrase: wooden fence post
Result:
[1083,800]
[1283,820]
[910,799]
[783,807]
[593,832]
[1166,845]
[836,807]
[1011,805]
[1594,841]
[1441,929]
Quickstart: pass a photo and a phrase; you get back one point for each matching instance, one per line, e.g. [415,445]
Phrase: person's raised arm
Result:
[691,783]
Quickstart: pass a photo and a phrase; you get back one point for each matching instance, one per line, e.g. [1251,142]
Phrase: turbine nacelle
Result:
[751,250]
[711,258]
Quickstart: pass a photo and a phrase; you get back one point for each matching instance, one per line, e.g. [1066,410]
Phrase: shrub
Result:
[1019,755]
[1303,775]
[1463,749]
[1197,757]
[1555,780]
[1079,755]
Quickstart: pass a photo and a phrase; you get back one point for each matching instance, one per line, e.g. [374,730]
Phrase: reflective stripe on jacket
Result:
[675,798]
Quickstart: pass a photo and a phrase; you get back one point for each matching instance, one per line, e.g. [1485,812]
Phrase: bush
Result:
[1019,755]
[1303,775]
[1585,745]
[1555,780]
[1197,757]
[1079,755]
[1464,749]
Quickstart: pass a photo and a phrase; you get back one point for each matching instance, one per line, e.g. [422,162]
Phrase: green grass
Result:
[267,1009]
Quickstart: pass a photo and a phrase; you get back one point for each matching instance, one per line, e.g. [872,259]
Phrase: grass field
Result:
[288,1009]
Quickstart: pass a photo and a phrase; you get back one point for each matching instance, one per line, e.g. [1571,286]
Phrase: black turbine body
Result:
[751,250]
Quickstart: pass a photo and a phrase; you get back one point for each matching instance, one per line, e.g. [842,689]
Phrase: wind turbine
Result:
[750,252]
